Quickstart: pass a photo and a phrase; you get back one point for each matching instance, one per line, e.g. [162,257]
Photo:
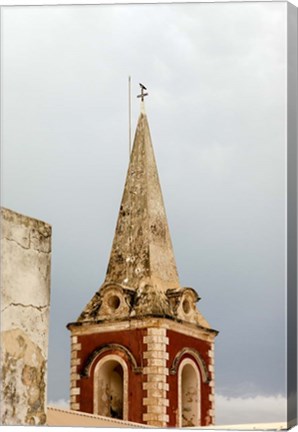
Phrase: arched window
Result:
[189,394]
[110,387]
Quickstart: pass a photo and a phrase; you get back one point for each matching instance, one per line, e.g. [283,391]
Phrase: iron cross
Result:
[142,95]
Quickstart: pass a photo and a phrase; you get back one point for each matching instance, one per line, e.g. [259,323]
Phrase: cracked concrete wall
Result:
[25,302]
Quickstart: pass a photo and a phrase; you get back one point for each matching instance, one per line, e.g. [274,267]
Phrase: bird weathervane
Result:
[143,94]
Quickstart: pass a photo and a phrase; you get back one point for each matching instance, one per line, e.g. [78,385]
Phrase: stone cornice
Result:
[139,323]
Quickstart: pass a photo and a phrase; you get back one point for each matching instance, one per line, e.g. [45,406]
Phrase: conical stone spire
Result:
[142,278]
[142,250]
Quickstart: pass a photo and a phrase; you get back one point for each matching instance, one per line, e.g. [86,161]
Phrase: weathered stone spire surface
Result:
[142,250]
[142,278]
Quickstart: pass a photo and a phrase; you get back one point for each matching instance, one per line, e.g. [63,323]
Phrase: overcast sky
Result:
[216,108]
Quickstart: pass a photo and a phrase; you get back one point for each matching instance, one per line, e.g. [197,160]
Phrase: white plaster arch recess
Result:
[189,394]
[110,387]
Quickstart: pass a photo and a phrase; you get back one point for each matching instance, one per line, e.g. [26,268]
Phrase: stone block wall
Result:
[25,302]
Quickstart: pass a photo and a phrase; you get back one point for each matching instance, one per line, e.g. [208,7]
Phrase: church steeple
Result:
[142,251]
[142,278]
[141,348]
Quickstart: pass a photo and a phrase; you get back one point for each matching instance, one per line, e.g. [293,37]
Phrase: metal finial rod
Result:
[143,94]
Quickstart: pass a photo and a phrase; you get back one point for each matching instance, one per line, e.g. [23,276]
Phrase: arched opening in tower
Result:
[189,400]
[109,390]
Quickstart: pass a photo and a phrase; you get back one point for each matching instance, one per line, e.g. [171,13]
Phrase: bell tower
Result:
[141,350]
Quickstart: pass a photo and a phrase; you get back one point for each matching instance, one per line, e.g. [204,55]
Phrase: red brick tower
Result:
[141,350]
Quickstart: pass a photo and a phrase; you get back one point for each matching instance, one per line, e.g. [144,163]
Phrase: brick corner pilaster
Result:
[74,376]
[156,377]
[211,411]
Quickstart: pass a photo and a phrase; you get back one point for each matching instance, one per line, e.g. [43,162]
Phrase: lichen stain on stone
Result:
[152,301]
[141,222]
[27,232]
[23,380]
